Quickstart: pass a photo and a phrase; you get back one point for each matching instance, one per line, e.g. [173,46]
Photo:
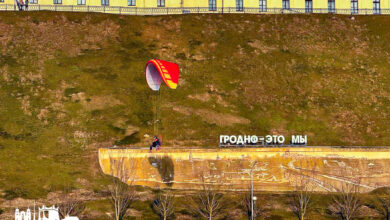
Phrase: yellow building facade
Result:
[219,6]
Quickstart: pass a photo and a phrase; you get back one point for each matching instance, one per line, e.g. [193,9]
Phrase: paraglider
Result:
[156,72]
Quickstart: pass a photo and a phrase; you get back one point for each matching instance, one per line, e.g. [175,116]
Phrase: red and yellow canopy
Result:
[157,71]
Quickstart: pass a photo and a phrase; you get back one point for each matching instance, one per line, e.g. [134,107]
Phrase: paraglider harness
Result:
[156,143]
[156,72]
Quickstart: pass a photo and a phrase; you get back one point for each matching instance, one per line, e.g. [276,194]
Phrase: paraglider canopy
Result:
[157,71]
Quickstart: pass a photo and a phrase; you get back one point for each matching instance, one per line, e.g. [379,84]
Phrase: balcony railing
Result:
[189,10]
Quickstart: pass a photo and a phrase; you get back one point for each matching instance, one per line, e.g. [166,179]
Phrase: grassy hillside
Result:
[71,82]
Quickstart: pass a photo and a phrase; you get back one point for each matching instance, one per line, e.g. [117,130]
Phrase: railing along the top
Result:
[189,10]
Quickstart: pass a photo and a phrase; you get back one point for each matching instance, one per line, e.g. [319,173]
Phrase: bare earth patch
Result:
[212,117]
[204,97]
[100,102]
[221,119]
[259,45]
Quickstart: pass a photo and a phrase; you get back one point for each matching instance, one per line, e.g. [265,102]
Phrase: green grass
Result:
[72,82]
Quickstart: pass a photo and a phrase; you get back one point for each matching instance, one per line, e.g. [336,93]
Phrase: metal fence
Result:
[191,10]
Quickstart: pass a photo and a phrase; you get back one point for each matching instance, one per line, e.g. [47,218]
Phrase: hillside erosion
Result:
[325,76]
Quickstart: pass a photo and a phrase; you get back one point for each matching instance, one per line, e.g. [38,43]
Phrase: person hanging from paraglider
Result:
[156,144]
[156,72]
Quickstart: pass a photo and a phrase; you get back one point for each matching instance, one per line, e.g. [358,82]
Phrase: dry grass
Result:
[71,74]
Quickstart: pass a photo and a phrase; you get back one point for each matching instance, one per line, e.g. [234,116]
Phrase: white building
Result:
[44,213]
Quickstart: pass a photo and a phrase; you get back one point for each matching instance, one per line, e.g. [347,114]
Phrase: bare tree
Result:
[300,201]
[164,204]
[70,206]
[207,202]
[303,189]
[120,190]
[381,204]
[346,201]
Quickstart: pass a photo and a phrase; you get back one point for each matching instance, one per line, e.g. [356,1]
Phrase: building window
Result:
[331,6]
[377,6]
[33,1]
[1,1]
[131,2]
[286,4]
[212,5]
[354,7]
[105,2]
[263,5]
[239,5]
[81,2]
[308,6]
[160,3]
[57,2]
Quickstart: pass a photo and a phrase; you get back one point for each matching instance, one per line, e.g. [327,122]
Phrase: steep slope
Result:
[71,82]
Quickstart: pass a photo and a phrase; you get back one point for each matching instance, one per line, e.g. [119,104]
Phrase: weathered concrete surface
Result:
[275,170]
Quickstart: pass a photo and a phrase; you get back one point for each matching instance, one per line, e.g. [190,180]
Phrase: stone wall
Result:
[275,169]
